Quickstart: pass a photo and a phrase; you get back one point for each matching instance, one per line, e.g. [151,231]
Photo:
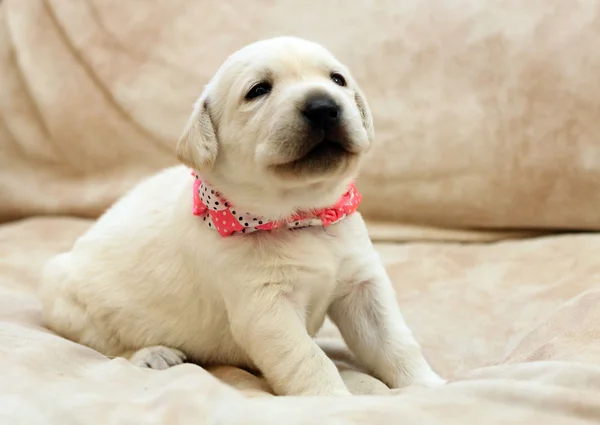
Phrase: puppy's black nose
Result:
[322,112]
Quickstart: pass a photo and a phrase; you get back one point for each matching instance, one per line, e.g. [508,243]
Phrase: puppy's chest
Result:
[308,267]
[304,263]
[309,278]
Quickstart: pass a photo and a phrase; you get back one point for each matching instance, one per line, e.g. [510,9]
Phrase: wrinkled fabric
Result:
[514,325]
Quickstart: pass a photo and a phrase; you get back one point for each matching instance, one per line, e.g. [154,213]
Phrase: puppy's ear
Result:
[365,113]
[197,146]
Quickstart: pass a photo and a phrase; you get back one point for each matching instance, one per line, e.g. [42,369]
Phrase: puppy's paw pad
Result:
[158,357]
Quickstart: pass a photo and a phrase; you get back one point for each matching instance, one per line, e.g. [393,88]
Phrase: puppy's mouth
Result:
[327,148]
[324,156]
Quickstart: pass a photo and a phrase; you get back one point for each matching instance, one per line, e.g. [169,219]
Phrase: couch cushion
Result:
[486,114]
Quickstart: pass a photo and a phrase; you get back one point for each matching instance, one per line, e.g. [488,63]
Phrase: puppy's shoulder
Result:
[352,238]
[161,201]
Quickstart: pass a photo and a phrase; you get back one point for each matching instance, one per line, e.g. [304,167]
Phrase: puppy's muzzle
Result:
[321,143]
[322,112]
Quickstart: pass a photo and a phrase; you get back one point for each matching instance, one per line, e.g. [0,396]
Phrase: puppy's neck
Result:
[253,210]
[276,200]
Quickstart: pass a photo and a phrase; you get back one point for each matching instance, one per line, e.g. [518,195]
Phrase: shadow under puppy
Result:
[239,261]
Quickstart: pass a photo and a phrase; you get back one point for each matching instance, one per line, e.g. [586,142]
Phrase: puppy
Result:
[240,262]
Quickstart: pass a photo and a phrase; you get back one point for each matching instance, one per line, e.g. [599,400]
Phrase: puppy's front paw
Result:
[157,357]
[427,379]
[430,379]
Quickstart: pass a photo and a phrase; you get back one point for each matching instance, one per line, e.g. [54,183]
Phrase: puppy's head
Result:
[283,113]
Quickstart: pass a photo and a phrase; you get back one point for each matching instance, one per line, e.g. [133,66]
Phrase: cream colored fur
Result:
[151,282]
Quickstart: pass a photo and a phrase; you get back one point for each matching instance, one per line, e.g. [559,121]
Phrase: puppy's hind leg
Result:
[66,314]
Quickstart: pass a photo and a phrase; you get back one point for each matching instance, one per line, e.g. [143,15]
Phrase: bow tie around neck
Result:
[220,215]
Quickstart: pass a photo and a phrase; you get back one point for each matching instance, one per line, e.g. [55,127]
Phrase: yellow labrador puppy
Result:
[240,260]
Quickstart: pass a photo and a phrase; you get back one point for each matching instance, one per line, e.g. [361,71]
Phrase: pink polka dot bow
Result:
[225,218]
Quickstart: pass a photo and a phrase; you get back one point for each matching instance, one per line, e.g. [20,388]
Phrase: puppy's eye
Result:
[258,90]
[338,78]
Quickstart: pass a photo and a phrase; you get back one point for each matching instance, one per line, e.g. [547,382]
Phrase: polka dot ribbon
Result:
[225,218]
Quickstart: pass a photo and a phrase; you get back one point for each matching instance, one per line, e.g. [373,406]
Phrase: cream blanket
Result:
[515,325]
[487,116]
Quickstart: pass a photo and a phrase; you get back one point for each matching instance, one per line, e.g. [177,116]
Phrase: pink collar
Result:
[222,216]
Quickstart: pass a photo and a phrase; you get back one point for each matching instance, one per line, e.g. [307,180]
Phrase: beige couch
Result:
[488,146]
